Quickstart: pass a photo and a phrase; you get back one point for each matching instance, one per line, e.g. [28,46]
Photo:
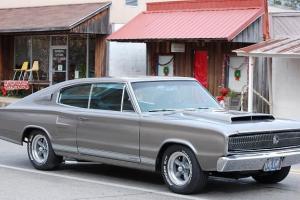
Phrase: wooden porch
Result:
[184,61]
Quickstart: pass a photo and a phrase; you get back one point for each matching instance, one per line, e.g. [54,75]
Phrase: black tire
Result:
[197,179]
[272,177]
[51,161]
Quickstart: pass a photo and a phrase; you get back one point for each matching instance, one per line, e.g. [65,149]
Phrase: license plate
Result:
[273,164]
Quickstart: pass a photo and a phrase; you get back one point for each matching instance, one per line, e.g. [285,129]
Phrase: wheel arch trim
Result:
[170,142]
[34,127]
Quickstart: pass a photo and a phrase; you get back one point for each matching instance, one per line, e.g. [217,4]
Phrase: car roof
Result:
[130,79]
[44,93]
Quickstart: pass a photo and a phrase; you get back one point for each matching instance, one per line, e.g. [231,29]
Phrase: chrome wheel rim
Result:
[179,168]
[40,149]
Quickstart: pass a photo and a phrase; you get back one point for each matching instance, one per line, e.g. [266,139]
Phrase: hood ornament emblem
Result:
[275,140]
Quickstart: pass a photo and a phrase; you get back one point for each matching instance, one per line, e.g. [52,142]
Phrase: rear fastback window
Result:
[77,96]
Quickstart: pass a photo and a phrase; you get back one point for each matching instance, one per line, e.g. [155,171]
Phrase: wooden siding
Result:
[184,62]
[261,84]
[252,34]
[100,56]
[6,57]
[98,24]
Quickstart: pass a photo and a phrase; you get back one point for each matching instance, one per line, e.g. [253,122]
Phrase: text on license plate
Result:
[273,164]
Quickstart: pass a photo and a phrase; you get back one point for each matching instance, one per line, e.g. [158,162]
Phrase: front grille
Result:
[264,141]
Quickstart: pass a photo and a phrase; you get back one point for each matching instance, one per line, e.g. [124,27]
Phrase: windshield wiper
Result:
[194,109]
[203,108]
[161,110]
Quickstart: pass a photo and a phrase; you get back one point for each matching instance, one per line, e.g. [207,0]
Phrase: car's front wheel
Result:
[272,177]
[181,170]
[40,151]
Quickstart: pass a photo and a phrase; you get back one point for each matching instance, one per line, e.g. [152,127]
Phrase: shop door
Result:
[59,66]
[201,66]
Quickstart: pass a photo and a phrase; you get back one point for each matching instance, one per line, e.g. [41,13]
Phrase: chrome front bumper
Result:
[256,161]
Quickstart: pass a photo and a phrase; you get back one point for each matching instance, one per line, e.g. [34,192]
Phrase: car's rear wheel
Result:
[40,151]
[272,177]
[181,170]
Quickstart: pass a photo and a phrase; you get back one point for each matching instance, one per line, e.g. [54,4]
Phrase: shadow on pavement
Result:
[138,178]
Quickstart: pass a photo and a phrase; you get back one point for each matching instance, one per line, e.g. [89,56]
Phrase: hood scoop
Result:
[228,116]
[255,117]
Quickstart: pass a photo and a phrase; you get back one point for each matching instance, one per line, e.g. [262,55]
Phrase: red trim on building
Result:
[205,4]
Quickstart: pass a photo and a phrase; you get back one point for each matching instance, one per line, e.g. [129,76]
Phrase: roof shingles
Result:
[46,18]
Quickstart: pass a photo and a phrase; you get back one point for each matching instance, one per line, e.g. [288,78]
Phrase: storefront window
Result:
[77,57]
[69,57]
[22,50]
[40,52]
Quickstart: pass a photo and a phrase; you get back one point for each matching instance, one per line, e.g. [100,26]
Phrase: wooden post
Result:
[270,84]
[100,56]
[250,84]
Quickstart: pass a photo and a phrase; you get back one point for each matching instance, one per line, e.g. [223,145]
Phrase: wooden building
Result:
[68,41]
[195,38]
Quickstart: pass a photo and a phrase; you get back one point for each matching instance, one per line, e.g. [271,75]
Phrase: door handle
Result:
[83,119]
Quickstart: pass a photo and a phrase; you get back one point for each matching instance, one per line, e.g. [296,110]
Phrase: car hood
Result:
[228,122]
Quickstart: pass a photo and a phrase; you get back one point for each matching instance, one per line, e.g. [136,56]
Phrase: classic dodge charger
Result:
[167,125]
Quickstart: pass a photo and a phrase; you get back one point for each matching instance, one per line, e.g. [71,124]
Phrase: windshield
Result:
[172,95]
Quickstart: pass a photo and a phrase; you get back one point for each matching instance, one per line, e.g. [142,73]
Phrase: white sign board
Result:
[177,47]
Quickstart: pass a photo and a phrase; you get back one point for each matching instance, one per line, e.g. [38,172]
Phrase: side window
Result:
[127,104]
[77,96]
[107,96]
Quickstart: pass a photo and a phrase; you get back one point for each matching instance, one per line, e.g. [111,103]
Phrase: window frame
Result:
[131,100]
[93,84]
[68,87]
[126,87]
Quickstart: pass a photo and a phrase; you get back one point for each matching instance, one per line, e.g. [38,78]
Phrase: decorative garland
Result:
[237,70]
[166,69]
[167,62]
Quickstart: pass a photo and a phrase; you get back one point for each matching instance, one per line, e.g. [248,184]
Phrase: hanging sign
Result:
[16,85]
[177,47]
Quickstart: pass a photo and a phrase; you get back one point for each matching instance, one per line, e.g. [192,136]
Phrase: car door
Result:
[110,129]
[71,100]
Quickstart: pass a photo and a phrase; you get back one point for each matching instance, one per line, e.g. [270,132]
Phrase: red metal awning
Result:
[219,23]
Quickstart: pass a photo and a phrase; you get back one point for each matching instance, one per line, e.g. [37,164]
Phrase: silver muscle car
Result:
[167,125]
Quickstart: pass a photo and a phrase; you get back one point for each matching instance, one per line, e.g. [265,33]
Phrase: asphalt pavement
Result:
[91,181]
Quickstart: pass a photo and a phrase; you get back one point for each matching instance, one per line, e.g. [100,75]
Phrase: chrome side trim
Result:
[64,148]
[148,161]
[109,155]
[248,162]
[109,161]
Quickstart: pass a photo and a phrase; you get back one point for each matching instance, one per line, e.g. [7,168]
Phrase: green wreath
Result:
[166,71]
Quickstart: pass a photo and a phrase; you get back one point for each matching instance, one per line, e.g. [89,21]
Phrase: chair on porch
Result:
[22,70]
[35,68]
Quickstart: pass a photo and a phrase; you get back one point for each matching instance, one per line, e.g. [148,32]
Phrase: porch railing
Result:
[245,90]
